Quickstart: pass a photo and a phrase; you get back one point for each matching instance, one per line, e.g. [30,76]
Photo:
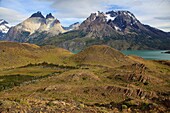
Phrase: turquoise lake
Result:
[146,54]
[149,54]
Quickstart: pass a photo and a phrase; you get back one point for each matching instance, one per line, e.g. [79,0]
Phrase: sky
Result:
[155,13]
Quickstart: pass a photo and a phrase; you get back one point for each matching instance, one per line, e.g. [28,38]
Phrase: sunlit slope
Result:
[101,55]
[14,54]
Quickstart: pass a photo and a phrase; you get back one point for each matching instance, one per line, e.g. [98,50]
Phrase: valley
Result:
[84,56]
[97,79]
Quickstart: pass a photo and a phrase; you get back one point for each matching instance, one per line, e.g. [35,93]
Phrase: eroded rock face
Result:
[131,92]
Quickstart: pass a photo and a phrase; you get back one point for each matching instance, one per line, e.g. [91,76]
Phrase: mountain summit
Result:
[38,14]
[122,20]
[49,16]
[4,27]
[119,21]
[35,26]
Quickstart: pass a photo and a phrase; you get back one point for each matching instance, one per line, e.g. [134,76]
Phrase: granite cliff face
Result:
[34,25]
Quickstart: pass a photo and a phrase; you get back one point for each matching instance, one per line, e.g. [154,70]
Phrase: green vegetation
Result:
[9,81]
[98,79]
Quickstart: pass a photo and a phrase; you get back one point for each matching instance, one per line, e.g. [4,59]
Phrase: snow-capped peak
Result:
[2,22]
[4,26]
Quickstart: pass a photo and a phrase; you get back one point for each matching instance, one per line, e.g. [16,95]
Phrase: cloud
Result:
[69,21]
[163,18]
[148,12]
[77,8]
[154,13]
[11,16]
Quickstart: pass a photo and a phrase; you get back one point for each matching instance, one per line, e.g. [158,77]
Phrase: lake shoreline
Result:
[149,54]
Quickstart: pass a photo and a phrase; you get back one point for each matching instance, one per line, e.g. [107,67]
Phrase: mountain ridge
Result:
[118,29]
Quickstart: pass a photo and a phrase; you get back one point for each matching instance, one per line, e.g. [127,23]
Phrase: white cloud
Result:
[76,8]
[11,16]
[154,13]
[69,21]
[144,10]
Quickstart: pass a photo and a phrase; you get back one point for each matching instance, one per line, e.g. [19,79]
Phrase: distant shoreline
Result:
[168,52]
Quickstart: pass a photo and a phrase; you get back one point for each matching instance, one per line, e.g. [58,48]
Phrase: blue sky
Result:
[155,13]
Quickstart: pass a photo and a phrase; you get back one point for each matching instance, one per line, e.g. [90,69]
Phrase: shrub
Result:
[124,106]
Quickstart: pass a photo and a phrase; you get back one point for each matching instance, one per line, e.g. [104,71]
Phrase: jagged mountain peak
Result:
[4,26]
[49,16]
[2,22]
[34,26]
[37,14]
[121,21]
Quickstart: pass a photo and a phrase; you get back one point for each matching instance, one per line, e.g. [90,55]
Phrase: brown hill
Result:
[105,81]
[101,55]
[18,54]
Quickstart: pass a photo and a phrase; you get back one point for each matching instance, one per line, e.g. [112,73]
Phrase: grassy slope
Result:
[102,77]
[101,55]
[14,54]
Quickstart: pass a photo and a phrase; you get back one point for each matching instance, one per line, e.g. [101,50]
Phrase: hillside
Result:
[101,55]
[98,79]
[19,54]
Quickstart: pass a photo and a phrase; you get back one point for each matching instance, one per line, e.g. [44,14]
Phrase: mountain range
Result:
[118,29]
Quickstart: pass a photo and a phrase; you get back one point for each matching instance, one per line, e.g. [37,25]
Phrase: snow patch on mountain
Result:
[109,17]
[117,28]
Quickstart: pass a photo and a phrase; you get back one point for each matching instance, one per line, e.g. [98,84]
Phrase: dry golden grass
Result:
[17,54]
[96,78]
[101,55]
